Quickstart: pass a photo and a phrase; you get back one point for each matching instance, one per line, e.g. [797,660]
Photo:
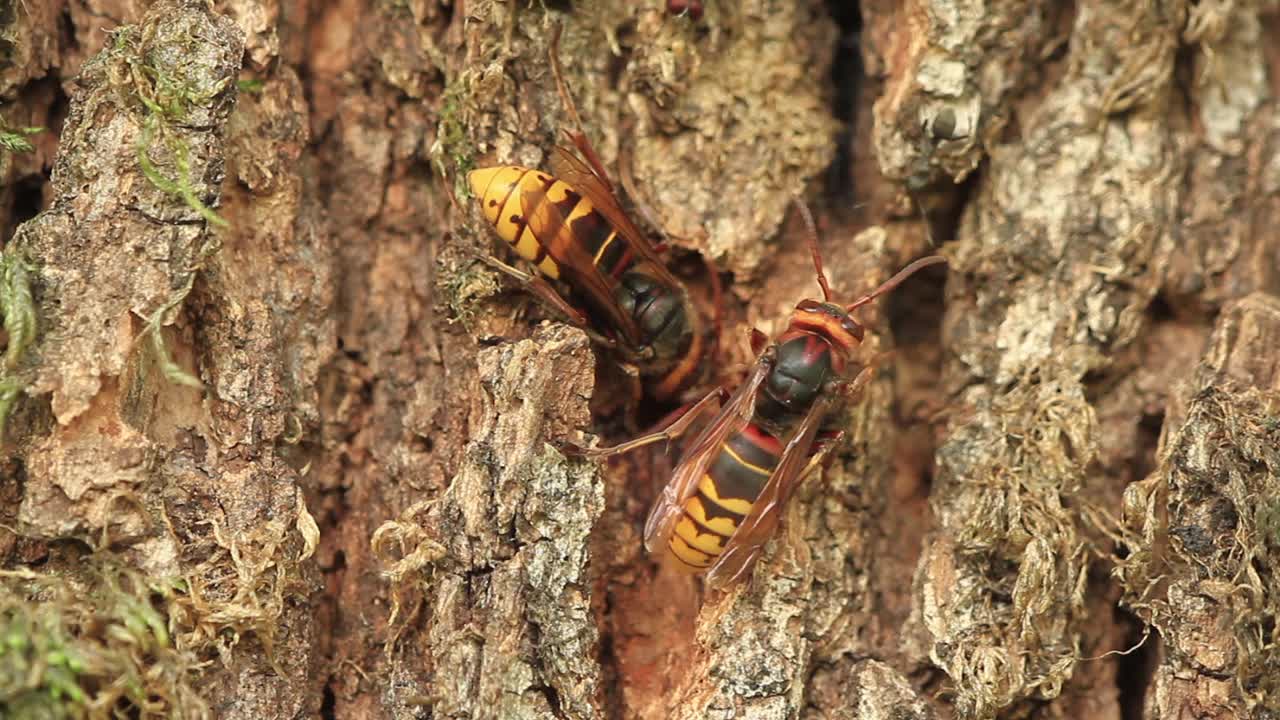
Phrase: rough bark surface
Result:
[276,444]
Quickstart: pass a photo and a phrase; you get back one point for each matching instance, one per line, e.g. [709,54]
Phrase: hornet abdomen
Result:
[724,497]
[501,190]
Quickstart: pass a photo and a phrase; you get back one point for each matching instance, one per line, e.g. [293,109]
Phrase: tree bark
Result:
[276,444]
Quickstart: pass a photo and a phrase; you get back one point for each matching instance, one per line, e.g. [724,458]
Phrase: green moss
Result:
[17,307]
[462,281]
[172,371]
[181,186]
[92,646]
[463,284]
[15,139]
[1266,518]
[453,152]
[10,390]
[170,93]
[167,98]
[251,85]
[146,68]
[39,664]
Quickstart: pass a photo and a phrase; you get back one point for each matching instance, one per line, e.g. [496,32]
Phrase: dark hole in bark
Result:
[1184,79]
[549,691]
[421,444]
[1159,310]
[67,31]
[330,701]
[1143,462]
[617,64]
[13,482]
[915,312]
[1135,670]
[915,308]
[846,78]
[553,699]
[926,480]
[28,199]
[615,705]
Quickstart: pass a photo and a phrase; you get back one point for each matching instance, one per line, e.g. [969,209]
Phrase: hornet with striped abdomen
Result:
[728,490]
[569,226]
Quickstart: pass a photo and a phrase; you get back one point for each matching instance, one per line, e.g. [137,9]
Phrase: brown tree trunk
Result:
[278,445]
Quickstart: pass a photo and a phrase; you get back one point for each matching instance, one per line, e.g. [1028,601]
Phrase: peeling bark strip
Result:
[308,449]
[114,251]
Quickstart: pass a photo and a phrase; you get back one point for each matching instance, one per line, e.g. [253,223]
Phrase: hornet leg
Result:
[542,290]
[676,424]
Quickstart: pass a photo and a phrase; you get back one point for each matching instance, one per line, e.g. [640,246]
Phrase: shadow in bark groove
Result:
[1135,671]
[847,79]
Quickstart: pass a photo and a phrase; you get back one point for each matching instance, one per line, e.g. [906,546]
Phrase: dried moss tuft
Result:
[1004,584]
[242,586]
[1210,550]
[404,548]
[93,646]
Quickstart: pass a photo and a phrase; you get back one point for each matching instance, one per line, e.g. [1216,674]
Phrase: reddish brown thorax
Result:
[830,322]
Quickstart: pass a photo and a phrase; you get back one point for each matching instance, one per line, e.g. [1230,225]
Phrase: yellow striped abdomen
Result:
[724,498]
[500,191]
[709,521]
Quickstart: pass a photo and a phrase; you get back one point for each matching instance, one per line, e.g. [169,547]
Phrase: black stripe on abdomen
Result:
[589,229]
[743,466]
